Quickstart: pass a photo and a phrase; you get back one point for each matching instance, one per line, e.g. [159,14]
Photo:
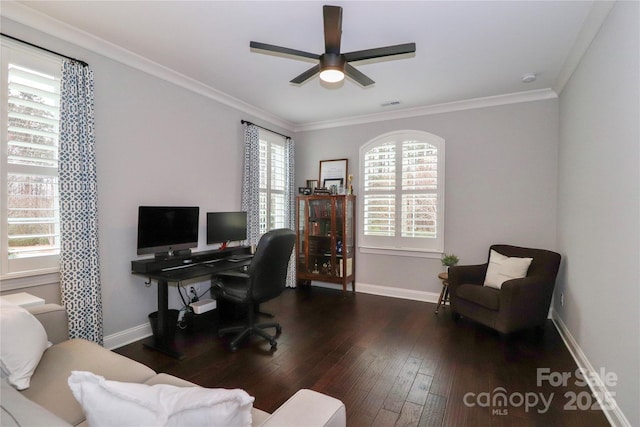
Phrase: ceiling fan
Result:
[333,65]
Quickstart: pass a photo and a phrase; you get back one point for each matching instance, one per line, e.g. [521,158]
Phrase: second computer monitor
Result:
[225,227]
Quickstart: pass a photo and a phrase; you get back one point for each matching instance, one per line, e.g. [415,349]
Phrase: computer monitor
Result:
[223,227]
[166,229]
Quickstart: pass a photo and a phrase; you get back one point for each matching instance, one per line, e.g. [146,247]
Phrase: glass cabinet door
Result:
[320,236]
[302,237]
[348,249]
[339,236]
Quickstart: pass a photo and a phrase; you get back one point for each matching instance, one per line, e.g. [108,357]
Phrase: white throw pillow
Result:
[113,403]
[502,268]
[23,341]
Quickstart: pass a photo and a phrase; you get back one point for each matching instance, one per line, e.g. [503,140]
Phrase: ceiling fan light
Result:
[331,75]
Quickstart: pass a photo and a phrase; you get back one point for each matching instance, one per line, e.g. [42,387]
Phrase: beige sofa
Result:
[49,401]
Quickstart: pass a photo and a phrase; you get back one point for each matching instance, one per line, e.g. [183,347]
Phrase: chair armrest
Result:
[527,299]
[309,408]
[234,274]
[464,275]
[467,274]
[54,319]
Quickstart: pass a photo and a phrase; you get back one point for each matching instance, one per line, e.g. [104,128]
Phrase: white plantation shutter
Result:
[419,190]
[379,190]
[30,214]
[273,181]
[403,192]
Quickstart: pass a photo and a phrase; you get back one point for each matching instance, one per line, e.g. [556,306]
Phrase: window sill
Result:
[406,252]
[13,281]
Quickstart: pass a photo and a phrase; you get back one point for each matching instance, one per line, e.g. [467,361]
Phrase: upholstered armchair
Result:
[508,304]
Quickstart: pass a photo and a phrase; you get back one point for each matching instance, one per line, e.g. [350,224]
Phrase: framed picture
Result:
[305,191]
[312,184]
[333,169]
[328,183]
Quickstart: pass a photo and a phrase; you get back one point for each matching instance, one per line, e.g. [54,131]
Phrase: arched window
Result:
[402,202]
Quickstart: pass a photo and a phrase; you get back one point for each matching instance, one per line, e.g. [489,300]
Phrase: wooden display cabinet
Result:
[325,249]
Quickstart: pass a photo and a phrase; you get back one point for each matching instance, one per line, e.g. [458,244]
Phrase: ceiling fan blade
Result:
[356,75]
[306,75]
[284,50]
[380,52]
[332,28]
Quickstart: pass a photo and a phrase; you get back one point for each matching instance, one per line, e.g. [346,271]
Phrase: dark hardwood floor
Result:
[392,362]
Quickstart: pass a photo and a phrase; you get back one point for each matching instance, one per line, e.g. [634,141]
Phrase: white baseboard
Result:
[605,398]
[386,291]
[127,336]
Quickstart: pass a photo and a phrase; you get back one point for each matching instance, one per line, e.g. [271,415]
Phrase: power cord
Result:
[195,297]
[186,308]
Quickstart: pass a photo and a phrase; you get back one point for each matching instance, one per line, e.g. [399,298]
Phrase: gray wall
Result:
[156,144]
[599,205]
[501,173]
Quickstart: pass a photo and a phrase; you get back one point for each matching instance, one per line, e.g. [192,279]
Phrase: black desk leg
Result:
[161,342]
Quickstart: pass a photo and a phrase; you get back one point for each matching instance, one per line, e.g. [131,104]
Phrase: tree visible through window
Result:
[402,175]
[30,129]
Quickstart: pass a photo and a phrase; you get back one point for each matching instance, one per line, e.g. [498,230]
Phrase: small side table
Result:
[444,294]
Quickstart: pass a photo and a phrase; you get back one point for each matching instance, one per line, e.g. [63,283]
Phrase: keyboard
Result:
[178,267]
[241,257]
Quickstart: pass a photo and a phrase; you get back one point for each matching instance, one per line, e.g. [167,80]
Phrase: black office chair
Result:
[264,279]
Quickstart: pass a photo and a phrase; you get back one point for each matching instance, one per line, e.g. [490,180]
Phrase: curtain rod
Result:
[262,127]
[44,48]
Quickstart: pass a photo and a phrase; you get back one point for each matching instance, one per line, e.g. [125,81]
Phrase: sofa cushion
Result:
[18,411]
[116,403]
[54,319]
[309,408]
[257,416]
[502,268]
[481,295]
[23,342]
[49,386]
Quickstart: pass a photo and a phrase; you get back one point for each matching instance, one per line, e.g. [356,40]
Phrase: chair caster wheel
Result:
[274,345]
[278,329]
[233,348]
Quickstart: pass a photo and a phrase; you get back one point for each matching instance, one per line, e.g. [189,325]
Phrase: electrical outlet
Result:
[562,299]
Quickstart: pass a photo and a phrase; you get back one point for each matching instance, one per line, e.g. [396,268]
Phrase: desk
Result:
[201,269]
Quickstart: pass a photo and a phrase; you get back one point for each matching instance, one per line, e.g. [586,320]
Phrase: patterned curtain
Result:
[251,191]
[251,182]
[79,263]
[290,206]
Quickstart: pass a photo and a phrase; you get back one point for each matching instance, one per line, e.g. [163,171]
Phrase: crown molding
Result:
[489,101]
[53,27]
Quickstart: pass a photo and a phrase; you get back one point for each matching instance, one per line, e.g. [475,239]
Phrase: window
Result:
[273,181]
[29,226]
[402,205]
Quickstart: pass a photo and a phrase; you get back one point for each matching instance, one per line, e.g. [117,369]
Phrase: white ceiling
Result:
[465,49]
